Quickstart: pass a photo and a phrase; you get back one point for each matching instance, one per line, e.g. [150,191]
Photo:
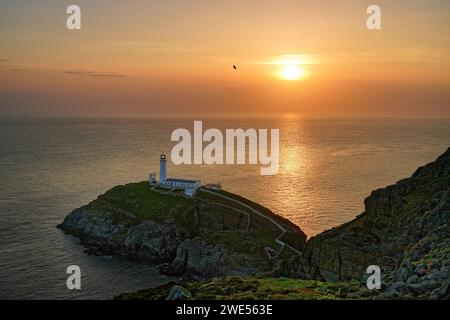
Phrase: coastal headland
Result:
[227,247]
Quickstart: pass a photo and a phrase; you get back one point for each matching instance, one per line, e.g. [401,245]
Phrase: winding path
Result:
[282,229]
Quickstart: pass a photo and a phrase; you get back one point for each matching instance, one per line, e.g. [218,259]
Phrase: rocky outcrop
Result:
[193,237]
[97,226]
[178,293]
[404,230]
[155,242]
[197,257]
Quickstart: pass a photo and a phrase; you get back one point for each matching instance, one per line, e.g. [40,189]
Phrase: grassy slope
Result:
[282,221]
[270,232]
[268,235]
[236,288]
[135,202]
[142,202]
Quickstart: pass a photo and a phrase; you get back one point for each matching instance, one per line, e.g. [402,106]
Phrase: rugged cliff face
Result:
[203,237]
[404,230]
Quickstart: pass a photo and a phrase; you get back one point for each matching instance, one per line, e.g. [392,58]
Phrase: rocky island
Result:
[215,233]
[237,249]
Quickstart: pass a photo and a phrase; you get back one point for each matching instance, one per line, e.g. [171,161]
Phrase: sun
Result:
[291,69]
[292,73]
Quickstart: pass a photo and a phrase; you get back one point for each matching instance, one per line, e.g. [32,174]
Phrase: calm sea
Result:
[49,167]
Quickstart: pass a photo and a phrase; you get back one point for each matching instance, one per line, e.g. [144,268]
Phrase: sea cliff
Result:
[404,230]
[213,234]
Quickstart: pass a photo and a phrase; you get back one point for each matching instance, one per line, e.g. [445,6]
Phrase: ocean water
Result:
[48,167]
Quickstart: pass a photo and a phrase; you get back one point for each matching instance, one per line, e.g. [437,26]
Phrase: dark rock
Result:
[153,242]
[423,288]
[412,280]
[442,292]
[404,230]
[178,293]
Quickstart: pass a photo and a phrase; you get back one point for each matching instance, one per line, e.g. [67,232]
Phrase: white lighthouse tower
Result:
[189,187]
[162,168]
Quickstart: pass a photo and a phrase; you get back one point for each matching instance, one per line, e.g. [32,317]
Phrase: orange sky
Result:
[175,58]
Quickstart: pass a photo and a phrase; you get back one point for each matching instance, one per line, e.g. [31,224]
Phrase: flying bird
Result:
[234,67]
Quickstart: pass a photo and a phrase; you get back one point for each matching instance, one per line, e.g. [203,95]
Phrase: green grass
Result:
[436,254]
[236,288]
[416,199]
[238,241]
[135,202]
[267,235]
[286,254]
[423,194]
[219,200]
[282,221]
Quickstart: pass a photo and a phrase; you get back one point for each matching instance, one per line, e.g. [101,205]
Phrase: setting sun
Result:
[292,72]
[291,69]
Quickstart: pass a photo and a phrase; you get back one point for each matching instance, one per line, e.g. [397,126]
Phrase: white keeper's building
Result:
[189,186]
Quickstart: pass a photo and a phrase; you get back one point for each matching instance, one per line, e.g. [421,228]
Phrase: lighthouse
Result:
[189,187]
[162,168]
